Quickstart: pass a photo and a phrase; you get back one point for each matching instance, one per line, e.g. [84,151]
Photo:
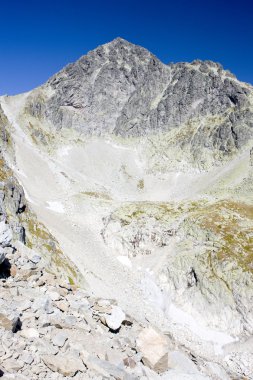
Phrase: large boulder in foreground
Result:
[154,349]
[63,364]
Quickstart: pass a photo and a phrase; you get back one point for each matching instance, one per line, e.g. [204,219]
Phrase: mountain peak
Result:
[121,88]
[119,41]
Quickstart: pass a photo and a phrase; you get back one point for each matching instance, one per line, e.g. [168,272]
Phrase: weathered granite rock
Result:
[105,368]
[12,365]
[9,324]
[154,349]
[64,364]
[29,333]
[115,318]
[59,339]
[124,89]
[5,234]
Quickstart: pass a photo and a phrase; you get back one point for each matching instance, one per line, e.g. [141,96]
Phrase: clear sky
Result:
[38,38]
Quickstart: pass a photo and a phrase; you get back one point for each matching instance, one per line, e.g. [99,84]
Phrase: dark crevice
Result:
[5,269]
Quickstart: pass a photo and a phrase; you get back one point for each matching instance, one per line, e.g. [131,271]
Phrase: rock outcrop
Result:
[123,89]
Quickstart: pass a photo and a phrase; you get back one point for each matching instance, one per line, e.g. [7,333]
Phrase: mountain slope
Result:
[143,174]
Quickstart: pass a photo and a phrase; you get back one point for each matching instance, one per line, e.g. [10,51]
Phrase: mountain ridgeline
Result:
[123,89]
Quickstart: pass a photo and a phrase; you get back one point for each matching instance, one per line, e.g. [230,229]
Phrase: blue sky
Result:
[38,38]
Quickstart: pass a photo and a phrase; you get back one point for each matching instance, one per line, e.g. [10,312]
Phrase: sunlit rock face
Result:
[124,89]
[138,185]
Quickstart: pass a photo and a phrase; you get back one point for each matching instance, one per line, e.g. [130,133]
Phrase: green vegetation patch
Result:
[5,172]
[232,224]
[38,237]
[93,194]
[140,184]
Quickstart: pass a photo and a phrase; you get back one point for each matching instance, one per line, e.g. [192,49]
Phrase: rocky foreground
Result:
[50,329]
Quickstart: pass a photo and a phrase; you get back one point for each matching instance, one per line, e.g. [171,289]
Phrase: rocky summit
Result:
[126,222]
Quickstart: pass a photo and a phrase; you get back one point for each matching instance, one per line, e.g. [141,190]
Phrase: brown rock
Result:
[13,270]
[9,324]
[62,305]
[154,349]
[129,362]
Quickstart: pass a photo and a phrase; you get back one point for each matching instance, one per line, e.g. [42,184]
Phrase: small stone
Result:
[106,369]
[129,362]
[35,259]
[30,333]
[43,303]
[27,358]
[59,339]
[13,270]
[114,356]
[62,305]
[9,324]
[70,320]
[12,365]
[25,305]
[115,319]
[55,296]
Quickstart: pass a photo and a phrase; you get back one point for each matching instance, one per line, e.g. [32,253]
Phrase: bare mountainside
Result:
[132,181]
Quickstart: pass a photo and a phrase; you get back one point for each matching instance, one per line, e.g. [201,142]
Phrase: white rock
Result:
[154,349]
[30,333]
[115,319]
[35,259]
[55,296]
[65,364]
[27,358]
[59,339]
[5,234]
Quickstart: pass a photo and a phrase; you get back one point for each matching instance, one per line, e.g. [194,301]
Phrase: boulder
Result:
[10,324]
[114,320]
[104,368]
[154,349]
[13,365]
[64,364]
[27,358]
[30,333]
[5,234]
[59,339]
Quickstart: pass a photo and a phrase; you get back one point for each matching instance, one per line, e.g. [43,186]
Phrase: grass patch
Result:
[93,194]
[232,225]
[5,173]
[140,184]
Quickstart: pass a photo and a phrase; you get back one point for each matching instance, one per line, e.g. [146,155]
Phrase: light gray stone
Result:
[154,349]
[59,339]
[65,364]
[30,333]
[115,319]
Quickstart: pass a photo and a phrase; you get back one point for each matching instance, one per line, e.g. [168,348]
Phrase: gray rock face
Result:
[123,89]
[5,234]
[2,255]
[5,239]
